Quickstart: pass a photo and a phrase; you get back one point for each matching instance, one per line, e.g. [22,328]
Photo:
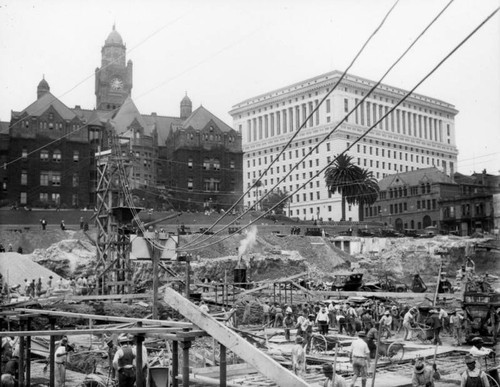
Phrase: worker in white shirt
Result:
[385,324]
[322,321]
[473,376]
[359,354]
[479,352]
[60,360]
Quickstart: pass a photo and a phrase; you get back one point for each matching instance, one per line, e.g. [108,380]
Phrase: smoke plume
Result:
[248,242]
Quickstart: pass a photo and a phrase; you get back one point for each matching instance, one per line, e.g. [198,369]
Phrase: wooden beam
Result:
[163,323]
[224,335]
[167,334]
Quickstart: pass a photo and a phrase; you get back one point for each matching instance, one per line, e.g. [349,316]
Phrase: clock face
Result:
[116,84]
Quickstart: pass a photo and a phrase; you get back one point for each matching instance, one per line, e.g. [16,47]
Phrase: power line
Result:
[359,103]
[303,123]
[370,129]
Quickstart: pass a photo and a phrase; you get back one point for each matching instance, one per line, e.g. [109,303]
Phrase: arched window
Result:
[216,164]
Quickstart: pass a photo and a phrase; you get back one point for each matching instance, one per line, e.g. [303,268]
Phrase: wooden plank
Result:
[224,335]
[167,333]
[163,323]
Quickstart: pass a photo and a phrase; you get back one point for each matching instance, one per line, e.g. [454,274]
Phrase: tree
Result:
[366,188]
[274,198]
[341,177]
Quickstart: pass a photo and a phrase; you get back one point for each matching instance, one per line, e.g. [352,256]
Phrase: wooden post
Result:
[139,378]
[52,352]
[175,363]
[155,262]
[186,344]
[21,353]
[188,275]
[438,282]
[376,355]
[28,353]
[335,363]
[222,366]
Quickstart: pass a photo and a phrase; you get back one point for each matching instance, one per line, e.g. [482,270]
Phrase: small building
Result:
[428,197]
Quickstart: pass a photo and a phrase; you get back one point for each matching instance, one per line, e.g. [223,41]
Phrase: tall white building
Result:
[420,133]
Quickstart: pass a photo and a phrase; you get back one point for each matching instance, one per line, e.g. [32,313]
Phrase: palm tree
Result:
[366,189]
[341,177]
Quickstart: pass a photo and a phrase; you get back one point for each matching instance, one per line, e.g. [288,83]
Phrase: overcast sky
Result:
[222,52]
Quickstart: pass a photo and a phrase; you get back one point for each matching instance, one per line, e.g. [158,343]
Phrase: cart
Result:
[394,351]
[422,332]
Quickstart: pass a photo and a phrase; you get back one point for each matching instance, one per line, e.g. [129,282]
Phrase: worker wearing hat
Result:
[332,379]
[359,354]
[288,323]
[124,361]
[424,376]
[435,323]
[473,376]
[478,351]
[60,360]
[299,357]
[456,322]
[385,324]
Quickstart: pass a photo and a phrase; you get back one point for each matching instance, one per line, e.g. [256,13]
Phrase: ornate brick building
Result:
[50,148]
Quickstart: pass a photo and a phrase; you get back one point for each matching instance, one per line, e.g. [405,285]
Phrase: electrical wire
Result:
[327,136]
[408,94]
[311,114]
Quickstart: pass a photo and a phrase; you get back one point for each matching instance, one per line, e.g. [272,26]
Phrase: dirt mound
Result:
[67,257]
[259,266]
[15,268]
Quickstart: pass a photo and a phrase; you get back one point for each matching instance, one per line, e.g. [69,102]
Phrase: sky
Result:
[221,52]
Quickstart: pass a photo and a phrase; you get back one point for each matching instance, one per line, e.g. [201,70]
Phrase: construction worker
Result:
[359,354]
[60,360]
[331,381]
[322,321]
[435,323]
[299,357]
[386,323]
[424,376]
[124,362]
[479,352]
[278,319]
[456,322]
[266,316]
[408,323]
[288,323]
[473,377]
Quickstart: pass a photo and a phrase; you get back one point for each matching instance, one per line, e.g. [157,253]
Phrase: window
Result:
[190,163]
[24,153]
[217,164]
[56,178]
[44,197]
[56,156]
[44,178]
[346,105]
[76,156]
[190,184]
[74,200]
[44,155]
[328,107]
[206,164]
[232,164]
[56,198]
[24,177]
[75,180]
[23,198]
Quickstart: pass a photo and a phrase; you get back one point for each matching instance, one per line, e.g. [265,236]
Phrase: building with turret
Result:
[49,148]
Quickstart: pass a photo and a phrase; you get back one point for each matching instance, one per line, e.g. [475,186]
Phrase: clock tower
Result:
[113,80]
